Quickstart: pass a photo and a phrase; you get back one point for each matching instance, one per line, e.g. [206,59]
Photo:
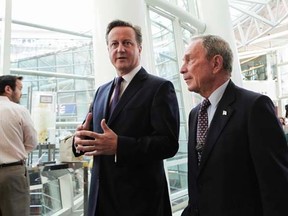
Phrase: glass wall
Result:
[51,47]
[254,68]
[70,74]
[165,29]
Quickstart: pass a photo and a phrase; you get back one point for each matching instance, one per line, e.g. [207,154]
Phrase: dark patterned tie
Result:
[116,96]
[202,127]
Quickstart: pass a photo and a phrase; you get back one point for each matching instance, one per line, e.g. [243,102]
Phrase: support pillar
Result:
[105,11]
[6,7]
[216,15]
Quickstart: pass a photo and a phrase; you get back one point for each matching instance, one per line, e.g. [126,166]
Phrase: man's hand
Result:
[97,144]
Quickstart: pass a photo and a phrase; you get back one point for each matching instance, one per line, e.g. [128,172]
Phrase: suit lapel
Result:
[193,157]
[107,99]
[222,114]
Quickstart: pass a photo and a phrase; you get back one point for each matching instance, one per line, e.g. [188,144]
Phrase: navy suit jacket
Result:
[146,120]
[244,166]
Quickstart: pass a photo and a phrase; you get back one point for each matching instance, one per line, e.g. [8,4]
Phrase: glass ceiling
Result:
[258,24]
[71,15]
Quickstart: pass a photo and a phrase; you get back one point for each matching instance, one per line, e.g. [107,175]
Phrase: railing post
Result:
[85,182]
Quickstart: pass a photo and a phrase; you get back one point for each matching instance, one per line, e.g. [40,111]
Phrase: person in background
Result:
[284,126]
[282,121]
[243,168]
[18,139]
[130,142]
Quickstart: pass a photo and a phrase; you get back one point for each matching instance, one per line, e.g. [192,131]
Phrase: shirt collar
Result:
[4,98]
[217,94]
[129,76]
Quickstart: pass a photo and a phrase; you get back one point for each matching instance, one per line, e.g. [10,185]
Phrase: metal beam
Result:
[264,2]
[254,15]
[178,12]
[49,74]
[50,28]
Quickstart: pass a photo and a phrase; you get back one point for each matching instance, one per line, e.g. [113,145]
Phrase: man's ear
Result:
[8,89]
[140,48]
[217,61]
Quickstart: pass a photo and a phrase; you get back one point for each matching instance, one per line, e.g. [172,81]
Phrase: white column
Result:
[105,11]
[5,6]
[217,17]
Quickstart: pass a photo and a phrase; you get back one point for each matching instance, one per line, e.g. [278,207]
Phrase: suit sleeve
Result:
[270,156]
[161,140]
[78,154]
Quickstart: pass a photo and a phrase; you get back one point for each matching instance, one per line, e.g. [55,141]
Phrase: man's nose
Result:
[121,48]
[183,69]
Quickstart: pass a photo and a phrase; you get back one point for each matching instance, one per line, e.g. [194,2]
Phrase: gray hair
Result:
[215,45]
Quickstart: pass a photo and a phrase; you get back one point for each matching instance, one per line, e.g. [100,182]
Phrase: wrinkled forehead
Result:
[194,48]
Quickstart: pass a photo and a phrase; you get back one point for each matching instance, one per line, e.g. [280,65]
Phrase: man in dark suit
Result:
[130,142]
[243,168]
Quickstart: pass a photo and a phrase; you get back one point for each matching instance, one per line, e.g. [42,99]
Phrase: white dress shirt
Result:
[18,135]
[214,99]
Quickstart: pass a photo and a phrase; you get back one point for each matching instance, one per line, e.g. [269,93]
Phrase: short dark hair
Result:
[215,45]
[121,23]
[9,80]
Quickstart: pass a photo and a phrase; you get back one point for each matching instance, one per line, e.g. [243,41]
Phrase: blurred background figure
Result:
[18,139]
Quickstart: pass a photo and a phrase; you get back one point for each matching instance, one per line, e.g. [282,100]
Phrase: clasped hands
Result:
[92,143]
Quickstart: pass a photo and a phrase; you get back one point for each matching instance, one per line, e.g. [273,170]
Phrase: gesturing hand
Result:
[97,144]
[81,127]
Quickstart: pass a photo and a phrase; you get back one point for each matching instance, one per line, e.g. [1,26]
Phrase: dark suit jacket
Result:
[146,120]
[244,166]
